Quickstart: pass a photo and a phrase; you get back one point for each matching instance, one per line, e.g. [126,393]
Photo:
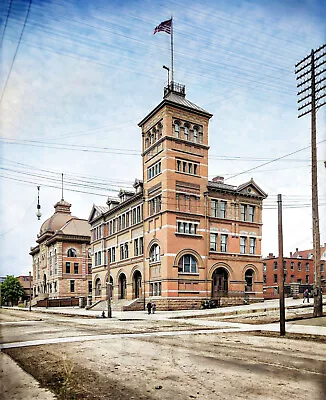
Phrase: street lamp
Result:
[168,69]
[38,212]
[30,291]
[108,287]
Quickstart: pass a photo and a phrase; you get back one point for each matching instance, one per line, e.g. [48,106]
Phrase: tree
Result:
[11,290]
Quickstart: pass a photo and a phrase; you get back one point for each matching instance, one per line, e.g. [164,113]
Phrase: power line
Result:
[20,221]
[5,24]
[93,178]
[168,200]
[114,32]
[275,159]
[134,152]
[14,58]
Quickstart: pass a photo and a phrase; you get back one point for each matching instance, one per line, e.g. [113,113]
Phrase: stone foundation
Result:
[177,303]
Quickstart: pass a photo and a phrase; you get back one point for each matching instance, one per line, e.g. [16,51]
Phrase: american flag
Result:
[164,26]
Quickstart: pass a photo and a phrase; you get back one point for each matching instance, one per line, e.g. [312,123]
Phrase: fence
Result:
[65,302]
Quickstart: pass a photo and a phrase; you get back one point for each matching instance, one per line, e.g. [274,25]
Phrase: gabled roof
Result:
[251,188]
[247,189]
[97,211]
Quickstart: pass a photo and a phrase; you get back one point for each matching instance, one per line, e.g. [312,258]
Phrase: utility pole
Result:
[281,262]
[108,286]
[30,291]
[307,70]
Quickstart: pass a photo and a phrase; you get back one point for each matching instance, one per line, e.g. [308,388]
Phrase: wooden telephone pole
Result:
[310,76]
[281,262]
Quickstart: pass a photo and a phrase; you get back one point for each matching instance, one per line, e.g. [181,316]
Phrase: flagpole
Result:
[172,69]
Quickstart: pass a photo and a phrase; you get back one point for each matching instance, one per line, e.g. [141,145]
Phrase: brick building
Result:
[61,258]
[179,238]
[24,280]
[298,268]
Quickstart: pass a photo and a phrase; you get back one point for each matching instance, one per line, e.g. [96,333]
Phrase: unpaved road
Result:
[196,366]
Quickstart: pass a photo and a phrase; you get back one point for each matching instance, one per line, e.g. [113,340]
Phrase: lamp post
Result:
[38,212]
[108,286]
[168,69]
[30,291]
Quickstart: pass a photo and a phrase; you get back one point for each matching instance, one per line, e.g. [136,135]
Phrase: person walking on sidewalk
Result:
[154,308]
[306,295]
[149,307]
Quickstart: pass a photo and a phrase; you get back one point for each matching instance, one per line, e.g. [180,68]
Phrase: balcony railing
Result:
[175,88]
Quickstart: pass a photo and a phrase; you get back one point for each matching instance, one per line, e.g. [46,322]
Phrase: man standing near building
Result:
[306,295]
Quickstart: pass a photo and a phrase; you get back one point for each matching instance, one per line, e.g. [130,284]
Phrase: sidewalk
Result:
[161,315]
[16,384]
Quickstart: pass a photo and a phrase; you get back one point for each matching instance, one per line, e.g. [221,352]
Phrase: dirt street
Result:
[182,366]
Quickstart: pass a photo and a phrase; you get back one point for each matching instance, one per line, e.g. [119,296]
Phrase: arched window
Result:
[154,253]
[72,253]
[98,288]
[187,264]
[249,280]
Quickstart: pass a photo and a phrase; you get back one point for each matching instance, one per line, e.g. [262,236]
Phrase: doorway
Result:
[122,286]
[220,282]
[137,289]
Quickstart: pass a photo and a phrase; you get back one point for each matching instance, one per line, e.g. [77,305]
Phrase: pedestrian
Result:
[149,307]
[306,295]
[154,308]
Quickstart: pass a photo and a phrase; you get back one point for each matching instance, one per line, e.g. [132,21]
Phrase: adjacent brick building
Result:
[179,238]
[298,268]
[61,259]
[26,281]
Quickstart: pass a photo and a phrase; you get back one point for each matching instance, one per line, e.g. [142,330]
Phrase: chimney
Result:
[270,255]
[296,250]
[218,179]
[290,253]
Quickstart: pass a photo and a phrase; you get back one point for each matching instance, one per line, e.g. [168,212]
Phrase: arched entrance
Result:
[136,284]
[220,282]
[249,278]
[122,286]
[98,288]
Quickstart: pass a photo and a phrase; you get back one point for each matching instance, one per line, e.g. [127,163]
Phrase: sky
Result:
[77,76]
